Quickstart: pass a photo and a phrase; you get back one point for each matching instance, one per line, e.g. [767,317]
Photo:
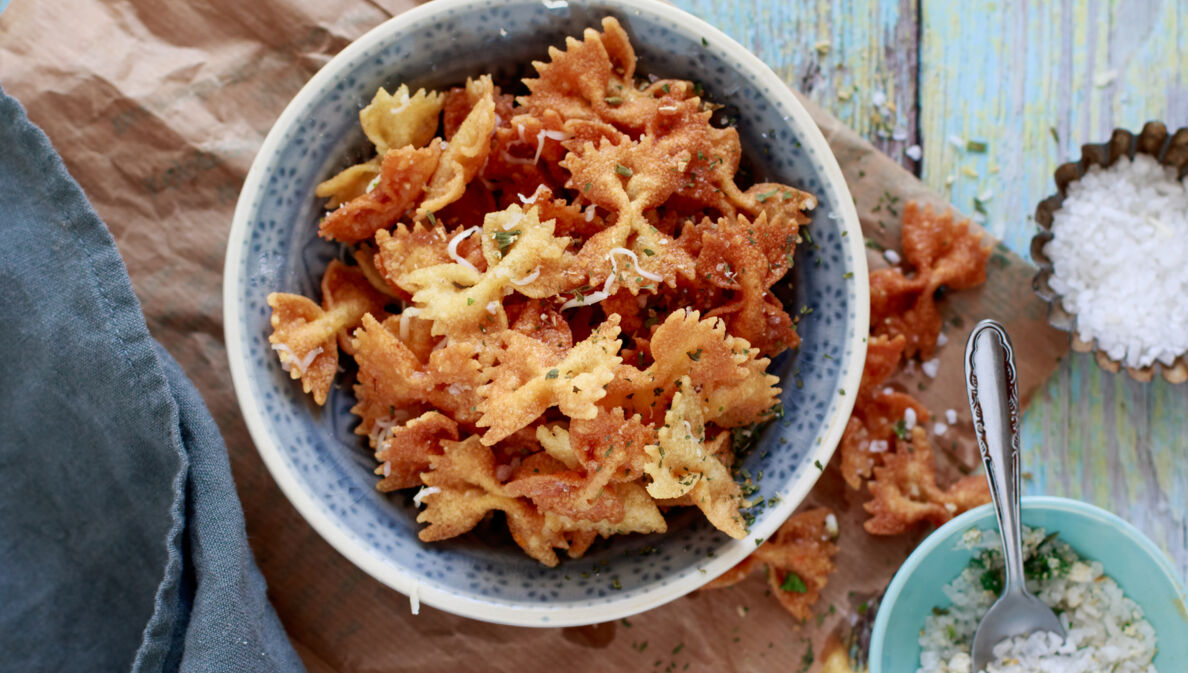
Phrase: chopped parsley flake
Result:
[613,100]
[432,219]
[975,146]
[765,196]
[901,429]
[552,374]
[504,239]
[695,355]
[623,170]
[793,583]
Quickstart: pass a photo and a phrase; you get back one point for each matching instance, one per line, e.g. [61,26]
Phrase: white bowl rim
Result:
[392,575]
[965,520]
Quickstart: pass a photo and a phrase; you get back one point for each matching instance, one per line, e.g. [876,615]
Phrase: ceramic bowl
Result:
[1142,571]
[326,471]
[1170,149]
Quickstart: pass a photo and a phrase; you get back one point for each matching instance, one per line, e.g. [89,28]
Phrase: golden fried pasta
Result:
[799,560]
[905,491]
[587,301]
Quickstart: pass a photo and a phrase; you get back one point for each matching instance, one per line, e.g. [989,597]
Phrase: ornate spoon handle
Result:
[990,379]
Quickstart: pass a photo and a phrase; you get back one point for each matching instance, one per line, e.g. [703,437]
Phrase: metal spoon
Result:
[994,402]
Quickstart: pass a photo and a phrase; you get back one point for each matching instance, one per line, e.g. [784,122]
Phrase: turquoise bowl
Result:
[1140,568]
[323,467]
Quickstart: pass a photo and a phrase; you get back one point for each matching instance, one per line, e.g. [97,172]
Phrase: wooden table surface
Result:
[1032,81]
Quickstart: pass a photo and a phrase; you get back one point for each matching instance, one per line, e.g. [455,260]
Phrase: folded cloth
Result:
[122,544]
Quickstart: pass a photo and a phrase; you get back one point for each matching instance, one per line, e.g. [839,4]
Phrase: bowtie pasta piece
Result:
[798,558]
[461,488]
[904,490]
[522,256]
[396,120]
[399,184]
[683,465]
[466,151]
[392,378]
[945,254]
[526,379]
[405,450]
[725,371]
[306,336]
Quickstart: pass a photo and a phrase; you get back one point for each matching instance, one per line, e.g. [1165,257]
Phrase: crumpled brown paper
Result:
[158,109]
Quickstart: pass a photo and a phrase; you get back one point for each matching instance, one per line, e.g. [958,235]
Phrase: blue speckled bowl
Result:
[326,471]
[1140,568]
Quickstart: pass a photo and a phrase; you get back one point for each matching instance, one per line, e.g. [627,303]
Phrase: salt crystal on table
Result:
[909,418]
[951,416]
[931,367]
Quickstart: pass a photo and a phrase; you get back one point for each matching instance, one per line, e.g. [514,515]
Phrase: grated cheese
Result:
[492,307]
[426,491]
[529,278]
[531,199]
[410,312]
[635,259]
[515,160]
[302,363]
[590,213]
[831,525]
[453,248]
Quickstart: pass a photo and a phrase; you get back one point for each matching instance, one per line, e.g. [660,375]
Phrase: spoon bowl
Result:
[994,402]
[1015,613]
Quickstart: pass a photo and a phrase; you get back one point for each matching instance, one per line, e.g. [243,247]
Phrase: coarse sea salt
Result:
[1119,244]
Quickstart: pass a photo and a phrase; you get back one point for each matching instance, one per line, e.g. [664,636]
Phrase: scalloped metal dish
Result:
[1170,150]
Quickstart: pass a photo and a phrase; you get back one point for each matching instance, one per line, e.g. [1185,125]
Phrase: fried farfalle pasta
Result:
[305,336]
[399,184]
[799,560]
[390,121]
[526,247]
[878,411]
[405,450]
[466,151]
[904,490]
[945,253]
[748,258]
[526,378]
[728,375]
[461,488]
[522,256]
[682,464]
[392,379]
[396,120]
